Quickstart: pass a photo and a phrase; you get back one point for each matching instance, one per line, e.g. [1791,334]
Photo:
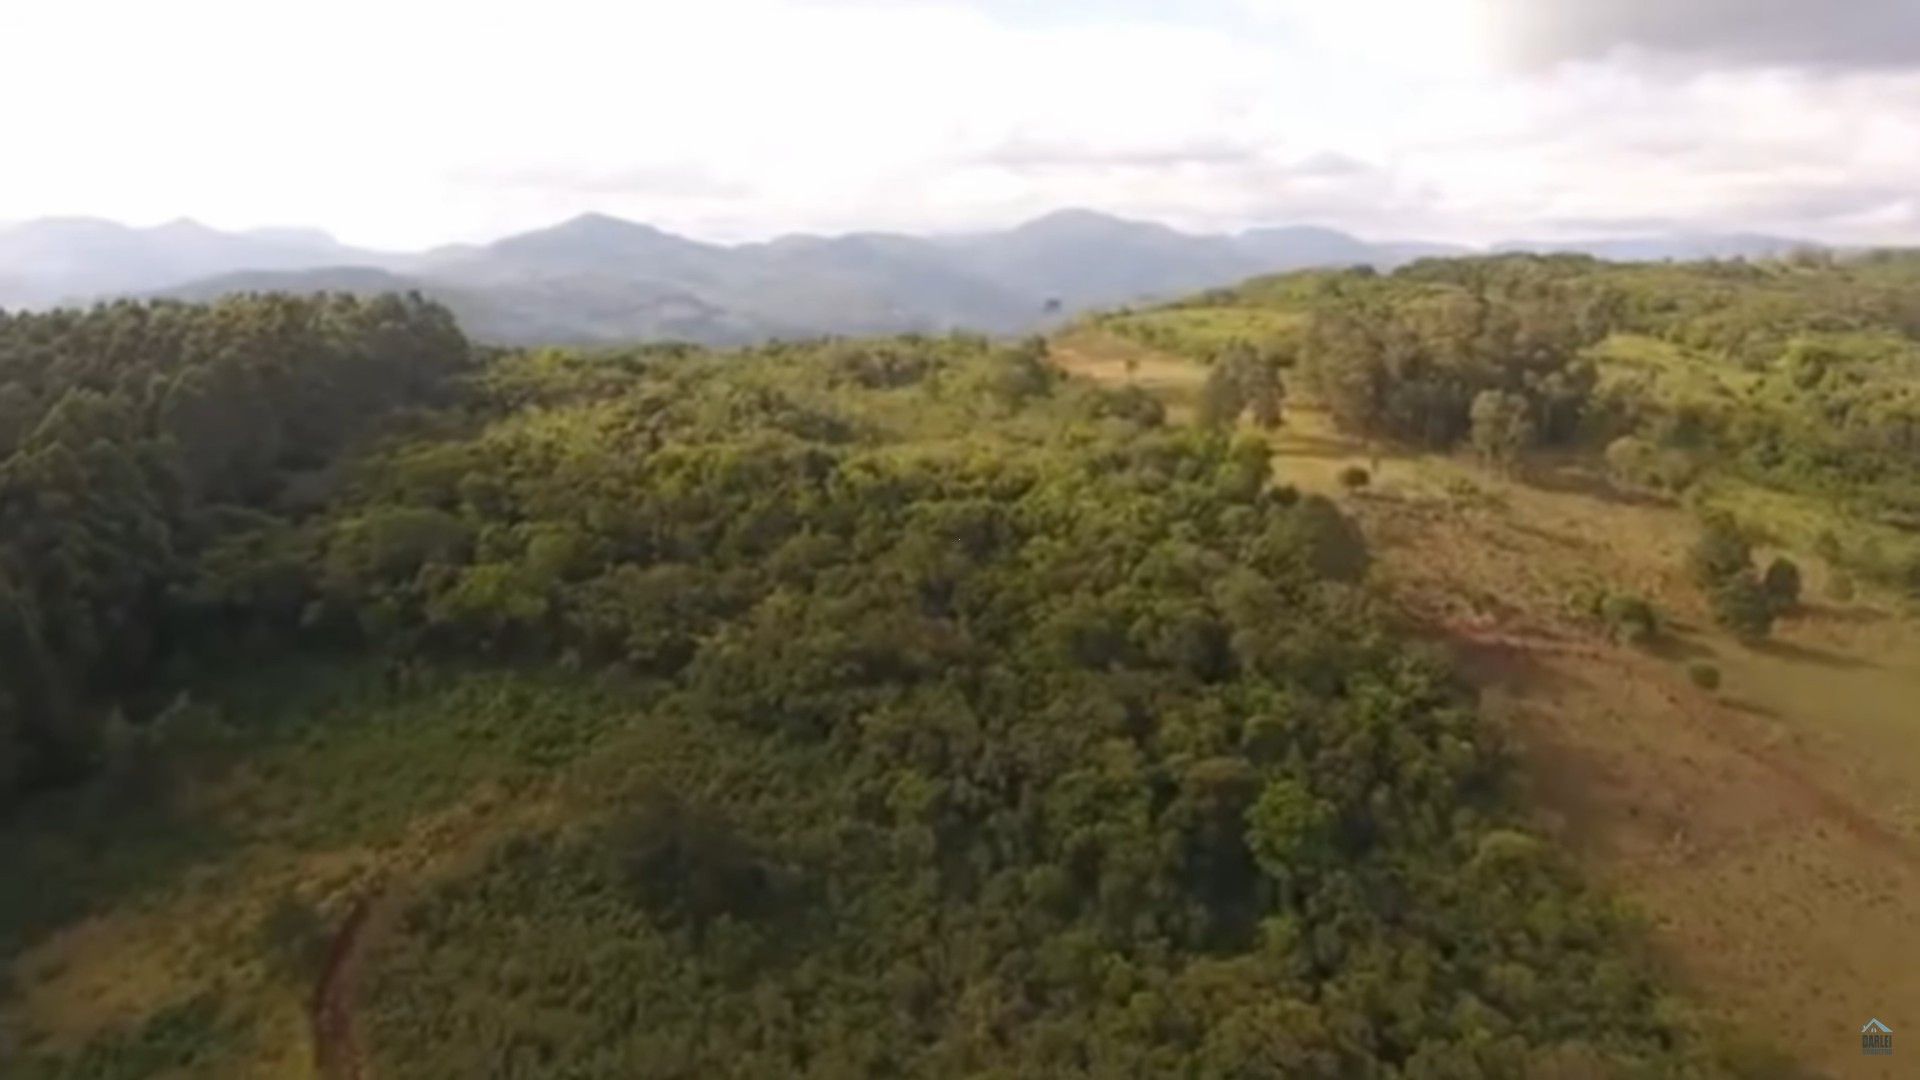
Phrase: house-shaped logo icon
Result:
[1876,1038]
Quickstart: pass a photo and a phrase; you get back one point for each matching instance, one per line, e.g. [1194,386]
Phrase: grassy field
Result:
[1197,333]
[1769,831]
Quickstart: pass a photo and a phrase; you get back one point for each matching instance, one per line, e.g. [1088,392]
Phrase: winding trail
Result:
[336,1050]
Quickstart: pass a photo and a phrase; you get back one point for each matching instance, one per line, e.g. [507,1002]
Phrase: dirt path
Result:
[336,1051]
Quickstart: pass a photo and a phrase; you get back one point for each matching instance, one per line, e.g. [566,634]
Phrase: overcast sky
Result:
[403,123]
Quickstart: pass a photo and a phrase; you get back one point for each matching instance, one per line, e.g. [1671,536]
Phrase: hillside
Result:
[901,707]
[1706,765]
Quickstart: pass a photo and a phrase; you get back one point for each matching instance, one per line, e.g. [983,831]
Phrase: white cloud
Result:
[407,123]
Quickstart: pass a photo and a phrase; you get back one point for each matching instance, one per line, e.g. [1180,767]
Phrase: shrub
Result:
[1355,477]
[1703,675]
[1741,604]
[1782,582]
[1629,460]
[1840,588]
[1629,619]
[1720,554]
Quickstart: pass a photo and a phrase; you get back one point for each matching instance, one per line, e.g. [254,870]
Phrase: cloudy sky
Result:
[403,123]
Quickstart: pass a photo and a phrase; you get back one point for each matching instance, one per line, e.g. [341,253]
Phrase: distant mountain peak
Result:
[1078,219]
[595,222]
[182,226]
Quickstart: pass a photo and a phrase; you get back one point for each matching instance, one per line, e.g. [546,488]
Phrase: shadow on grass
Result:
[72,854]
[1834,614]
[1302,444]
[1564,480]
[1806,654]
[1679,648]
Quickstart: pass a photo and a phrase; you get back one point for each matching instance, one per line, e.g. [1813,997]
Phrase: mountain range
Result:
[599,279]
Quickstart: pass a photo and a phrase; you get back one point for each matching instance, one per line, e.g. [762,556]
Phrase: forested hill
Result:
[141,444]
[878,708]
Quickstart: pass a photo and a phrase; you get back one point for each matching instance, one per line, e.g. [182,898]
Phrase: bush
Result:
[1742,605]
[1720,554]
[1629,619]
[1782,582]
[1703,675]
[1840,588]
[1355,477]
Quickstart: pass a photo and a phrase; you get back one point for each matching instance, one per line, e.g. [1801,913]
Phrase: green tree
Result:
[1742,605]
[1720,553]
[1502,427]
[1782,582]
[1222,398]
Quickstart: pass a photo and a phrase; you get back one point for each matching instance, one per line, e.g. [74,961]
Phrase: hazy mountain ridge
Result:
[601,279]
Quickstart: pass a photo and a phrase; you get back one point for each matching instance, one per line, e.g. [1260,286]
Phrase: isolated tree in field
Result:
[1782,582]
[1239,380]
[1258,377]
[1502,426]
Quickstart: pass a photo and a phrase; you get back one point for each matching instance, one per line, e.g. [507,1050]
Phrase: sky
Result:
[408,123]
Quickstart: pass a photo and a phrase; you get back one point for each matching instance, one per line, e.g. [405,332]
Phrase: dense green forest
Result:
[1800,376]
[948,717]
[139,444]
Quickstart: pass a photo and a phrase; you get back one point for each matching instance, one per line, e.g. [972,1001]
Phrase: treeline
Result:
[138,438]
[1800,374]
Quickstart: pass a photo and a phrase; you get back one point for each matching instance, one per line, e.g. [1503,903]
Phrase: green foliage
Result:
[1630,620]
[1720,553]
[894,710]
[1638,463]
[1355,477]
[1240,380]
[1502,427]
[1408,357]
[1703,675]
[1742,605]
[1799,378]
[1782,582]
[1201,332]
[143,450]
